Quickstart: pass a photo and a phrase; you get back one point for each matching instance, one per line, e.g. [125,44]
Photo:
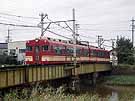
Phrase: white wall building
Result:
[113,58]
[17,48]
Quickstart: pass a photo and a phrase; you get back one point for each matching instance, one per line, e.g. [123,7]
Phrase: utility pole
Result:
[133,31]
[42,23]
[113,43]
[74,38]
[8,36]
[117,37]
[100,41]
[77,35]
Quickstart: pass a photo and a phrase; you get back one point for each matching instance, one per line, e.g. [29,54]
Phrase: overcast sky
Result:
[108,18]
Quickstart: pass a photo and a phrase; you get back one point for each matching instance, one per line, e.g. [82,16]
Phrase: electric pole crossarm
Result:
[69,27]
[42,23]
[58,21]
[45,29]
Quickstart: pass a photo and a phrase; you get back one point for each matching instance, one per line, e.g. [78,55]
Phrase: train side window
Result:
[29,48]
[78,51]
[70,51]
[86,53]
[100,54]
[92,53]
[45,48]
[58,50]
[108,54]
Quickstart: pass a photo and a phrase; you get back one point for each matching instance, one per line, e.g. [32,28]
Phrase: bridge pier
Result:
[75,84]
[94,79]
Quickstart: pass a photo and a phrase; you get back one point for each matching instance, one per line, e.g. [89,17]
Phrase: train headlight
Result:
[36,40]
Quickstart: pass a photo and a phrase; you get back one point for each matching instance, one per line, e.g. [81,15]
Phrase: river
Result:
[113,93]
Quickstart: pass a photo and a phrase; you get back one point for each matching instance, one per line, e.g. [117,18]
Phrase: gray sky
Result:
[108,18]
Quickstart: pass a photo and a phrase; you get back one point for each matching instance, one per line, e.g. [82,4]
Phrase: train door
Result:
[37,55]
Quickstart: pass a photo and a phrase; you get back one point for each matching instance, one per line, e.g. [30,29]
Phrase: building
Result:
[113,58]
[3,48]
[17,48]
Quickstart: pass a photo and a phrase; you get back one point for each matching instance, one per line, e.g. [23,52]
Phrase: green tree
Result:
[125,51]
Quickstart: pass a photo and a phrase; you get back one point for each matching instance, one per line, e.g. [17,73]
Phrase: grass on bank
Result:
[120,80]
[126,66]
[50,94]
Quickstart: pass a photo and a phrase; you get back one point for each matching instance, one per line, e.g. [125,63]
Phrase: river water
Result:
[113,93]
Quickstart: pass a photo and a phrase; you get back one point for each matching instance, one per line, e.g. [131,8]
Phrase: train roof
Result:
[69,42]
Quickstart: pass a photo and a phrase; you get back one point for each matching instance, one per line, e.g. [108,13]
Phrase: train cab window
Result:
[29,48]
[22,50]
[45,48]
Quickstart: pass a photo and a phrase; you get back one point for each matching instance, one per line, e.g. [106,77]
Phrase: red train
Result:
[51,51]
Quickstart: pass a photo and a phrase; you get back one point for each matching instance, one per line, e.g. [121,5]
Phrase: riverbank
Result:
[51,94]
[127,80]
[123,74]
[123,69]
[100,93]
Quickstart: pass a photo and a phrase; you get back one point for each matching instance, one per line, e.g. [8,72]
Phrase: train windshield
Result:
[29,48]
[45,48]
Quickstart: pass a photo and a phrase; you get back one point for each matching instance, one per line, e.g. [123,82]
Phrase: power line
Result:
[59,25]
[10,24]
[22,29]
[107,46]
[97,24]
[86,36]
[18,16]
[58,34]
[68,29]
[9,19]
[101,30]
[58,21]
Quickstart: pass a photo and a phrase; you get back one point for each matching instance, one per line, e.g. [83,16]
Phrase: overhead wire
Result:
[100,30]
[68,29]
[107,45]
[11,24]
[19,16]
[59,25]
[8,19]
[59,35]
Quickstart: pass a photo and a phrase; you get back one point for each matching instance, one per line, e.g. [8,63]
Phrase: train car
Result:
[52,51]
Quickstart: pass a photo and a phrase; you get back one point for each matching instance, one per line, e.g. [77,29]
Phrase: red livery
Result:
[50,51]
